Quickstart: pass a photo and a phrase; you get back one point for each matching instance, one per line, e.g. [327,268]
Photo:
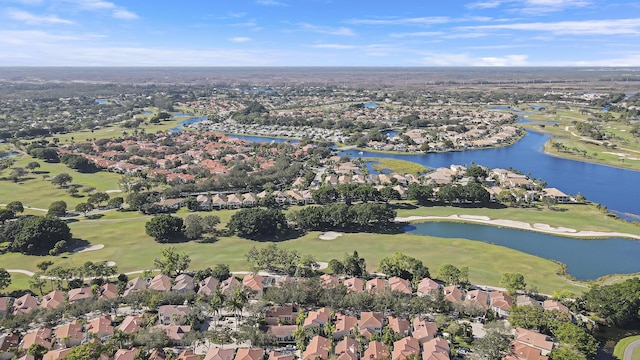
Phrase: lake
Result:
[262,139]
[611,255]
[370,105]
[194,120]
[610,186]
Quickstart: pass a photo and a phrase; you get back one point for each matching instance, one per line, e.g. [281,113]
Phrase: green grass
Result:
[618,352]
[397,166]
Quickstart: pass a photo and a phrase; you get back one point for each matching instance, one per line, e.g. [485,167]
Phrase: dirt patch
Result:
[330,235]
[88,248]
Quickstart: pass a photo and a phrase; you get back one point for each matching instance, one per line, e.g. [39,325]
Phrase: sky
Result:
[319,33]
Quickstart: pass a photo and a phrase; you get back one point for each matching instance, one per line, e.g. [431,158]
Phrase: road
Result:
[628,352]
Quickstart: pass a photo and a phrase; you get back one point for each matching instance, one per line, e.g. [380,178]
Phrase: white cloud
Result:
[585,27]
[35,37]
[431,20]
[532,7]
[450,59]
[117,12]
[124,14]
[239,39]
[33,19]
[484,4]
[270,3]
[341,31]
[416,34]
[334,46]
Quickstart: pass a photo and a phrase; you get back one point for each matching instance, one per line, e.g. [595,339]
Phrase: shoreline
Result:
[521,225]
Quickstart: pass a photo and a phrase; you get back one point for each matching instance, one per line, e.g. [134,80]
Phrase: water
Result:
[391,133]
[181,115]
[611,255]
[255,91]
[181,124]
[370,164]
[9,155]
[147,112]
[262,139]
[614,187]
[102,101]
[370,105]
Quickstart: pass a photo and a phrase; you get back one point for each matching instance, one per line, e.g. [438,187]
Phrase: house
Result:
[187,354]
[519,351]
[254,283]
[234,201]
[329,281]
[557,195]
[249,354]
[347,349]
[70,334]
[399,326]
[172,314]
[279,355]
[550,305]
[157,354]
[5,305]
[108,291]
[100,326]
[131,324]
[401,285]
[24,304]
[478,299]
[8,342]
[217,353]
[526,300]
[375,285]
[283,333]
[249,199]
[534,340]
[436,349]
[204,202]
[208,286]
[317,318]
[174,332]
[376,350]
[56,354]
[160,282]
[427,286]
[183,283]
[354,284]
[52,300]
[423,330]
[404,348]
[42,336]
[80,294]
[318,348]
[372,321]
[452,294]
[134,285]
[219,201]
[344,324]
[501,303]
[229,285]
[285,314]
[124,354]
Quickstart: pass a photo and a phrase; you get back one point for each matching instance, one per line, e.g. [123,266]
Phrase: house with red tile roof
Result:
[283,333]
[124,354]
[550,305]
[218,353]
[56,354]
[478,299]
[52,300]
[534,339]
[131,324]
[42,336]
[108,291]
[78,294]
[399,326]
[174,332]
[344,324]
[24,304]
[254,283]
[347,349]
[100,326]
[436,349]
[375,285]
[160,282]
[229,285]
[376,350]
[354,284]
[519,351]
[208,286]
[278,355]
[329,281]
[317,318]
[401,285]
[372,321]
[423,330]
[173,314]
[281,314]
[5,305]
[9,342]
[427,286]
[70,334]
[249,354]
[183,283]
[501,303]
[452,294]
[318,348]
[187,354]
[134,285]
[404,348]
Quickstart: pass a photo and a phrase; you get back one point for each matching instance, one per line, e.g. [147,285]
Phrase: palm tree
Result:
[216,304]
[237,302]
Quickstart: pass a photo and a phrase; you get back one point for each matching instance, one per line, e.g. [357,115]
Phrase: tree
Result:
[403,266]
[209,223]
[193,226]
[84,208]
[173,263]
[17,174]
[36,235]
[98,198]
[32,166]
[618,303]
[255,223]
[221,272]
[578,338]
[57,208]
[15,206]
[478,173]
[513,282]
[37,351]
[5,278]
[494,345]
[116,202]
[452,275]
[354,265]
[164,228]
[6,214]
[61,179]
[273,258]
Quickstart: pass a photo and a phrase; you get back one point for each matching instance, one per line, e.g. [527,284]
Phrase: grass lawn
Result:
[618,352]
[397,166]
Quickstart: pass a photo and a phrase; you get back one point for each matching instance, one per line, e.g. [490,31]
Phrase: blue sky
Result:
[319,33]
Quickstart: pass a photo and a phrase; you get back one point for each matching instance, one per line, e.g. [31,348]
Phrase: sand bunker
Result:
[88,248]
[330,235]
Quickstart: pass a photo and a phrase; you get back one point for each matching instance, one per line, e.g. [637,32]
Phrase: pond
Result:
[178,128]
[370,105]
[585,259]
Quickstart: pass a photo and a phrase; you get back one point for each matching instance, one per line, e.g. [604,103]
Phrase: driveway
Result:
[628,352]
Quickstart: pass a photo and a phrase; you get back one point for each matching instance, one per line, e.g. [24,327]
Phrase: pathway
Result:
[628,352]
